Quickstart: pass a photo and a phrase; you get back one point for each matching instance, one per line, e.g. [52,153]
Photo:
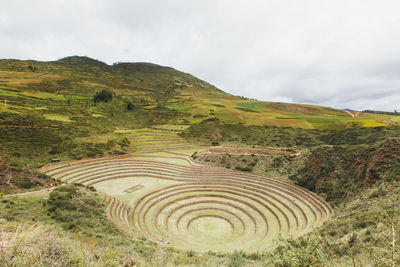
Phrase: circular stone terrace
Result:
[168,198]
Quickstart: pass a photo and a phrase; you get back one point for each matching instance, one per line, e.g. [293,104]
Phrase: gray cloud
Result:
[341,53]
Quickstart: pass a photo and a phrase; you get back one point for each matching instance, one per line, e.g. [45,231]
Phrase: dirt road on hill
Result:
[41,192]
[352,114]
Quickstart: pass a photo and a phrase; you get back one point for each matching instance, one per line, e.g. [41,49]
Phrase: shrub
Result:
[28,183]
[190,253]
[236,259]
[245,169]
[103,96]
[129,106]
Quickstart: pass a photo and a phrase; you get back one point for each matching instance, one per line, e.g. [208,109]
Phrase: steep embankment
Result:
[343,171]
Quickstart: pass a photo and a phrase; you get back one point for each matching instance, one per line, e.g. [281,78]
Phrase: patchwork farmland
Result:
[161,194]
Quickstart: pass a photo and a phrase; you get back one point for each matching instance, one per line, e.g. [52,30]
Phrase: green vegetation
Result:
[103,96]
[136,197]
[332,163]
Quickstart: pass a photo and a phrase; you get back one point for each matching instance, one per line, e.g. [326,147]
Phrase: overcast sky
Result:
[337,53]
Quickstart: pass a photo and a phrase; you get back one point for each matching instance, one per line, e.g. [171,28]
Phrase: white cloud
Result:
[339,53]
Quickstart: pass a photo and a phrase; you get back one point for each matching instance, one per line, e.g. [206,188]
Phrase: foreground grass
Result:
[41,244]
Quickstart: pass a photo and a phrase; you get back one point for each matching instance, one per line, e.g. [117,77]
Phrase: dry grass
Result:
[41,245]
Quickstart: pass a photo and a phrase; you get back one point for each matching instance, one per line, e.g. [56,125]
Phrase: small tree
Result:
[129,106]
[103,96]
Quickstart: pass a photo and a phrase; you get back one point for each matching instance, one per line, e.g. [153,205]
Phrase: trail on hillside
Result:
[42,191]
[353,115]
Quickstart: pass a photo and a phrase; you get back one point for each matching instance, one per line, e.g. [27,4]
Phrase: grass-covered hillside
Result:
[79,107]
[158,90]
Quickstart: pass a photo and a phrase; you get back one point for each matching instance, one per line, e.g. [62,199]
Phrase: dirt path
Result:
[9,179]
[352,114]
[42,192]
